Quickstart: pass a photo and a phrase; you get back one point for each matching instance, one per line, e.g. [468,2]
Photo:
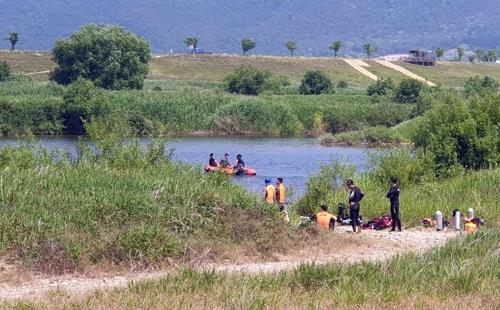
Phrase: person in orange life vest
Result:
[224,163]
[324,219]
[280,191]
[269,191]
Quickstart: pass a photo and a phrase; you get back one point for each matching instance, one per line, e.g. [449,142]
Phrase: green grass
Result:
[464,272]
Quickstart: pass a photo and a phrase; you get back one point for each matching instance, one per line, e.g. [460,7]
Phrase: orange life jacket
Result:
[270,190]
[323,219]
[280,194]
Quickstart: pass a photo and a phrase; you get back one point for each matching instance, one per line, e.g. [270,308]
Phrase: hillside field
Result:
[215,67]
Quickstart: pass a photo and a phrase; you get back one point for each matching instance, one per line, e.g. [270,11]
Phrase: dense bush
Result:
[382,87]
[461,135]
[315,82]
[82,101]
[342,84]
[247,81]
[408,91]
[5,71]
[477,86]
[107,55]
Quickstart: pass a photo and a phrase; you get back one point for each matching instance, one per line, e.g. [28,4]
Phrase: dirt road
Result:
[360,65]
[345,247]
[404,71]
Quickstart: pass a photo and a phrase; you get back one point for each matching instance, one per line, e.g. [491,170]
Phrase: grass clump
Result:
[123,204]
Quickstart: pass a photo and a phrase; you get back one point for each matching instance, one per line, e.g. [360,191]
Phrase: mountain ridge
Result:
[390,25]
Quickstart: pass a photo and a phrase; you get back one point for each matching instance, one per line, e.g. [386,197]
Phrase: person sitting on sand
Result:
[324,219]
[212,162]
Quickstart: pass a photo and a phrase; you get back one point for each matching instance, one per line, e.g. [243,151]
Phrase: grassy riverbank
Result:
[463,272]
[182,108]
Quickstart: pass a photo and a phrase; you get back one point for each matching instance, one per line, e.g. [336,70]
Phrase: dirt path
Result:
[39,72]
[345,248]
[404,71]
[360,65]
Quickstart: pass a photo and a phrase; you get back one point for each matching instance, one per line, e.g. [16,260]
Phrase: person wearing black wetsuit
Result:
[224,163]
[355,197]
[240,165]
[212,162]
[393,196]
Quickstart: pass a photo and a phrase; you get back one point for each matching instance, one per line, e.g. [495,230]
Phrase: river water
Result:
[293,159]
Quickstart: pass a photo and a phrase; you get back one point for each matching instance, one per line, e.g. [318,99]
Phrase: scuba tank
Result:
[457,220]
[439,221]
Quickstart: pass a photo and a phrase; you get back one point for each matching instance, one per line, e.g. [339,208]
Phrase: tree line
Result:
[479,55]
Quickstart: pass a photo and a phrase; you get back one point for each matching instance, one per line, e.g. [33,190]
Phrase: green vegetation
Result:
[460,53]
[335,47]
[464,271]
[246,81]
[477,86]
[439,52]
[191,42]
[369,49]
[315,83]
[247,45]
[408,91]
[13,39]
[291,46]
[382,87]
[107,55]
[5,71]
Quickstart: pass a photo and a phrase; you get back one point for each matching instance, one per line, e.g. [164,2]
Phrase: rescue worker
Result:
[393,196]
[240,165]
[212,162]
[269,191]
[280,192]
[224,163]
[324,219]
[355,197]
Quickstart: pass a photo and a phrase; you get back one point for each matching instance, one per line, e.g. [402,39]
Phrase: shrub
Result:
[246,81]
[109,56]
[276,85]
[408,91]
[381,87]
[315,82]
[321,188]
[342,84]
[476,86]
[82,102]
[5,71]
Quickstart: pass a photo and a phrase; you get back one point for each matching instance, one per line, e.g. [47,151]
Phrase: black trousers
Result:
[396,221]
[354,213]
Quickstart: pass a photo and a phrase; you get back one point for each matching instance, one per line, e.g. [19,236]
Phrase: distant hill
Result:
[392,25]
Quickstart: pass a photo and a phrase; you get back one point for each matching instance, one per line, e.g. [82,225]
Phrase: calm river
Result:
[293,159]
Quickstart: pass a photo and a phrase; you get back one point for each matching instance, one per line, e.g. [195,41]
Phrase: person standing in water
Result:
[355,197]
[393,196]
[269,191]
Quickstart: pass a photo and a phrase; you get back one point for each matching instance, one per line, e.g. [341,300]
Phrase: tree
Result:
[408,91]
[109,56]
[369,49]
[291,46]
[460,52]
[439,53]
[472,58]
[481,55]
[314,83]
[13,38]
[335,47]
[477,86]
[492,56]
[247,44]
[5,71]
[192,43]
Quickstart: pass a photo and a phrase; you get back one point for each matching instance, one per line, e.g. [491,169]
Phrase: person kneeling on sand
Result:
[325,219]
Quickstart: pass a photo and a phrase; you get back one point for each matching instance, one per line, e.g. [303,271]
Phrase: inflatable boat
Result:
[231,171]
